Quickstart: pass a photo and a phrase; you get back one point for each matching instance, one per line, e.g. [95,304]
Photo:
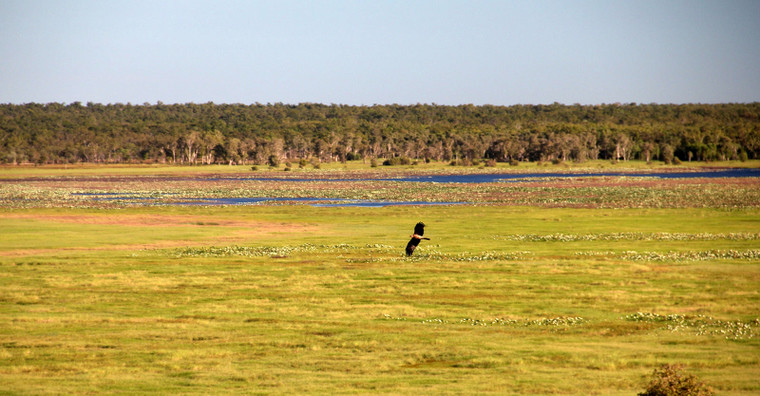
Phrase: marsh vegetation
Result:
[574,286]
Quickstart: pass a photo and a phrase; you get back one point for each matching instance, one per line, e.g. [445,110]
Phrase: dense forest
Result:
[260,134]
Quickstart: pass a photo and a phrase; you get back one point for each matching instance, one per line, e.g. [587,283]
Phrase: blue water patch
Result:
[521,177]
[380,204]
[317,202]
[243,200]
[172,199]
[114,197]
[518,177]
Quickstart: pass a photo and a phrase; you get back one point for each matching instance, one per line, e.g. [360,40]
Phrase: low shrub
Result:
[669,380]
[397,161]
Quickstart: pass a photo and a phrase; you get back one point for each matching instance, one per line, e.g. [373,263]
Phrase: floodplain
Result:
[110,283]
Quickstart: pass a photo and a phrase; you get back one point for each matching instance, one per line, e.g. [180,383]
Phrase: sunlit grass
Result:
[512,297]
[295,299]
[11,171]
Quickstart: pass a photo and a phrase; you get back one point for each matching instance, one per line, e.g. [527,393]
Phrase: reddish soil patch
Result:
[156,220]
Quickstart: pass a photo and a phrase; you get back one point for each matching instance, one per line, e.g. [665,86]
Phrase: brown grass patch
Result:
[252,227]
[237,230]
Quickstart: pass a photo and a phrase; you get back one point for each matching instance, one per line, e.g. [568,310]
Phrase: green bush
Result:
[397,161]
[461,162]
[669,380]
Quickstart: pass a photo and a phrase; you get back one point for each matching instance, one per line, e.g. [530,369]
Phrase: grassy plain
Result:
[7,171]
[505,299]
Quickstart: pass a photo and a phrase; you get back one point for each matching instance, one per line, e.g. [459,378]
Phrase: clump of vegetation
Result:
[397,161]
[353,157]
[543,322]
[700,325]
[670,380]
[464,162]
[751,254]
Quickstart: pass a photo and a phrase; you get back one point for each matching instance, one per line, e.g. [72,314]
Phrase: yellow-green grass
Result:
[19,171]
[322,300]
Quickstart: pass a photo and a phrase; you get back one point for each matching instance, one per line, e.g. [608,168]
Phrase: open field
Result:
[575,287]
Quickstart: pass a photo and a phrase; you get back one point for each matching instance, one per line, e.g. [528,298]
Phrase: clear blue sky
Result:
[380,52]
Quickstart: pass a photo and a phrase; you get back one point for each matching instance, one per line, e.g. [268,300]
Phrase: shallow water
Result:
[317,202]
[518,177]
[521,177]
[169,199]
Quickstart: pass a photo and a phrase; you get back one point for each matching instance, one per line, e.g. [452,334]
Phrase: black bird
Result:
[419,231]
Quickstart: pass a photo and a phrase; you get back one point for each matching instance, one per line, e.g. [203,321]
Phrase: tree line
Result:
[264,133]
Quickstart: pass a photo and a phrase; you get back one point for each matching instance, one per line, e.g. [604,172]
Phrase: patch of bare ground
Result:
[157,220]
[239,231]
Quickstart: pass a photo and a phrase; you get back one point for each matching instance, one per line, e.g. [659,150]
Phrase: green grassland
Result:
[296,299]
